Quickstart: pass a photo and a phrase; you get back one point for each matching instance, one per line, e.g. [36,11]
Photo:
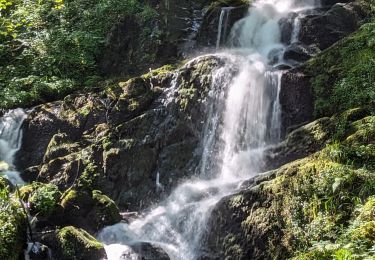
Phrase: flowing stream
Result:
[243,119]
[10,142]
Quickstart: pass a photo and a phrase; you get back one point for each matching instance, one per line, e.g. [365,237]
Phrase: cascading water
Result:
[223,25]
[243,118]
[10,142]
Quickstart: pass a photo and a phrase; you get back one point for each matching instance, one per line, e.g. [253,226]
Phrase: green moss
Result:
[186,96]
[26,191]
[12,225]
[236,201]
[89,178]
[68,197]
[343,76]
[365,233]
[318,207]
[234,250]
[367,212]
[320,195]
[108,212]
[160,72]
[77,244]
[59,146]
[101,210]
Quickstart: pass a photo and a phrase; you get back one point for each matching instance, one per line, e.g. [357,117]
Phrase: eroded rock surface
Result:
[121,139]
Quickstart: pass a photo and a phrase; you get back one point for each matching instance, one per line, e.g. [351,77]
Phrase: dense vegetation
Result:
[50,48]
[12,224]
[331,194]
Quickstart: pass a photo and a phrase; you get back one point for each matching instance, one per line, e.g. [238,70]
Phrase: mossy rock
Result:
[196,79]
[89,211]
[59,146]
[107,213]
[26,191]
[342,77]
[367,212]
[12,225]
[311,208]
[77,244]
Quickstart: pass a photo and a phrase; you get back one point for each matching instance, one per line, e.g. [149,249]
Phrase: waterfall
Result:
[296,29]
[10,142]
[223,25]
[243,119]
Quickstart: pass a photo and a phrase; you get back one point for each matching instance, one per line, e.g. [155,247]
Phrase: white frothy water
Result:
[10,142]
[243,118]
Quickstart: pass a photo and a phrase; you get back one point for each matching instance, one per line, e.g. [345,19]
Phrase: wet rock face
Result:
[326,28]
[134,45]
[180,26]
[319,29]
[147,251]
[296,99]
[251,228]
[207,35]
[300,143]
[263,220]
[299,53]
[332,2]
[122,140]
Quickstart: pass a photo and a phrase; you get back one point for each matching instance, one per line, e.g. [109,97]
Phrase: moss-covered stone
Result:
[26,191]
[340,82]
[12,225]
[107,212]
[77,244]
[59,147]
[90,211]
[310,209]
[196,79]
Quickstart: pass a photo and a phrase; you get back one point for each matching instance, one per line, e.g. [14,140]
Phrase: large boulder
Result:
[73,243]
[138,250]
[297,53]
[124,139]
[147,251]
[90,210]
[325,28]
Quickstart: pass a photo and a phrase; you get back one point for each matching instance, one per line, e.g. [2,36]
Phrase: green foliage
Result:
[49,48]
[343,76]
[45,199]
[12,225]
